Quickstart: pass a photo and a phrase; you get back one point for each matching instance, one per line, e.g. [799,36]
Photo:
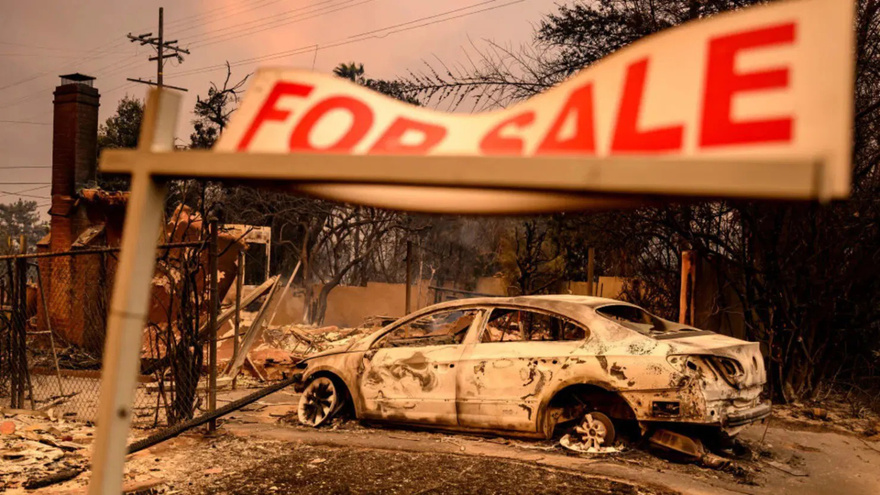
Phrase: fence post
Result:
[18,348]
[238,286]
[20,325]
[212,322]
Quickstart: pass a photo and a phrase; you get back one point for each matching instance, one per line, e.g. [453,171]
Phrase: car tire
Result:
[320,401]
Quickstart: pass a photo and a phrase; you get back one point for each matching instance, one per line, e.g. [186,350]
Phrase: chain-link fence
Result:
[53,323]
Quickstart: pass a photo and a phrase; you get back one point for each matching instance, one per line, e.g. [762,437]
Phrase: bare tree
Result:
[213,112]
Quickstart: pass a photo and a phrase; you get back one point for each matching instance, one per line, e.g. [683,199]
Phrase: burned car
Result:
[525,365]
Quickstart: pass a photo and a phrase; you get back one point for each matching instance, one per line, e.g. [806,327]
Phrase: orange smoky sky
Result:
[41,39]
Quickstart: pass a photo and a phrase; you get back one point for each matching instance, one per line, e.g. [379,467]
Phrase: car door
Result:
[409,373]
[506,370]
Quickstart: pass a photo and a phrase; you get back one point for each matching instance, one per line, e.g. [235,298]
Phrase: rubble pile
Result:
[331,337]
[39,448]
[278,348]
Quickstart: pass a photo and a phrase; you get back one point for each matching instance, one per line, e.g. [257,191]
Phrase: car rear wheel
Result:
[595,432]
[320,401]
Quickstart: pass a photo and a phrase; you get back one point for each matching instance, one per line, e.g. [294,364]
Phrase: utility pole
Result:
[161,47]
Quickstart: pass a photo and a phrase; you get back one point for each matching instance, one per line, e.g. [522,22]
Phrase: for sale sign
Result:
[752,104]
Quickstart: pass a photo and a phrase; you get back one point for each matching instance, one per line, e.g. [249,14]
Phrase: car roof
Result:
[567,304]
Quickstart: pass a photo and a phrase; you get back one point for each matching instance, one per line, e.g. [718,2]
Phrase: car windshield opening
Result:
[441,328]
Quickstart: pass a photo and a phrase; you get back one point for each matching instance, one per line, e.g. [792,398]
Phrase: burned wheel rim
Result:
[318,402]
[593,433]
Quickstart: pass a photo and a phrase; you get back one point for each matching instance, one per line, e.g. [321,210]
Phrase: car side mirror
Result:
[369,354]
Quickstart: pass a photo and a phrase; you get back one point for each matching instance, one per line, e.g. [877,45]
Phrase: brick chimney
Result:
[75,135]
[70,281]
[74,152]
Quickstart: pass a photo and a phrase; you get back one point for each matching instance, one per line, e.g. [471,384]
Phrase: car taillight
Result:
[710,368]
[729,369]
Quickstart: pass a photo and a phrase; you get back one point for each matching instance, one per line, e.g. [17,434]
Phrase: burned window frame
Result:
[490,310]
[478,312]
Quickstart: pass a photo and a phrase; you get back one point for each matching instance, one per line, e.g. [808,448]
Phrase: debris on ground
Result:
[838,412]
[572,444]
[37,451]
[686,448]
[818,413]
[52,479]
[307,469]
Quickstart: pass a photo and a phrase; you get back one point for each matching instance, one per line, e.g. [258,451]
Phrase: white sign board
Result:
[770,86]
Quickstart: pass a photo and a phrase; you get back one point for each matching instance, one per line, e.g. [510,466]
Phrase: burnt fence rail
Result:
[53,323]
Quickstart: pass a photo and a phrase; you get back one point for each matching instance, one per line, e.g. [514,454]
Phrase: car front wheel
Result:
[321,399]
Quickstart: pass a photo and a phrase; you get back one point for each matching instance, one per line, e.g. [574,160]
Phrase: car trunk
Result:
[737,362]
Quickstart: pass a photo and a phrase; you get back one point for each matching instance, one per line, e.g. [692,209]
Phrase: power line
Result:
[42,92]
[8,193]
[221,11]
[24,122]
[4,167]
[121,86]
[304,49]
[227,13]
[278,21]
[432,19]
[25,183]
[38,47]
[364,34]
[41,55]
[99,52]
[27,190]
[96,53]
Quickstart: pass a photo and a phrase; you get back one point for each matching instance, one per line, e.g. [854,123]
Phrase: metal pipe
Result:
[238,287]
[228,408]
[76,252]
